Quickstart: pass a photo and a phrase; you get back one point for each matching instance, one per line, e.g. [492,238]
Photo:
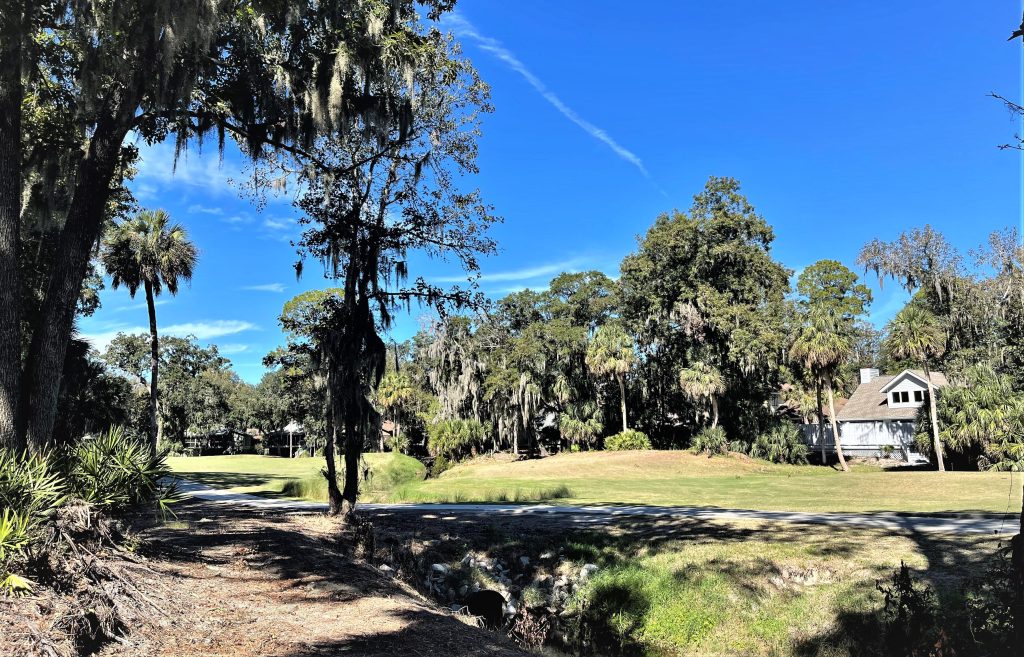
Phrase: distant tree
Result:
[916,333]
[830,299]
[611,354]
[369,202]
[821,346]
[703,286]
[919,259]
[150,252]
[701,382]
[982,414]
[395,396]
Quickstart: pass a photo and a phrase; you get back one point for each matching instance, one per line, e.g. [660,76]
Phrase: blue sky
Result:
[843,122]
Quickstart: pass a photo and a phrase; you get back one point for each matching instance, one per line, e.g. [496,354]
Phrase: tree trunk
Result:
[622,393]
[353,444]
[714,411]
[154,366]
[835,425]
[331,473]
[936,443]
[820,417]
[11,93]
[1018,581]
[82,230]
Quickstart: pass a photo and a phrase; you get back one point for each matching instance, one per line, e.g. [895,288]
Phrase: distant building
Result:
[880,417]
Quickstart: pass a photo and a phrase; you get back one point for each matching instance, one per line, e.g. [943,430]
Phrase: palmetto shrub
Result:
[782,443]
[115,471]
[455,440]
[631,439]
[710,441]
[30,493]
[110,473]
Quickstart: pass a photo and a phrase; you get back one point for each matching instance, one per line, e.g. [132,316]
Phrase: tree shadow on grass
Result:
[226,480]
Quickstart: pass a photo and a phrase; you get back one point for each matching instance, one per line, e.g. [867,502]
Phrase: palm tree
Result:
[394,394]
[611,353]
[916,333]
[821,346]
[150,252]
[700,382]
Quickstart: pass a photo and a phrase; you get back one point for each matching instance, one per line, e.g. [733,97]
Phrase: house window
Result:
[918,396]
[895,397]
[905,397]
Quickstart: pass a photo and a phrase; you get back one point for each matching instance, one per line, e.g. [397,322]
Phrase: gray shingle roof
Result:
[868,403]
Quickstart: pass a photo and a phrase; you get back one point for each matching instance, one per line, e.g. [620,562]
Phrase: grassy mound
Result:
[386,473]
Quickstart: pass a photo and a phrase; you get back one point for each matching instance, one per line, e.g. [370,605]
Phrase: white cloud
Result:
[277,224]
[463,28]
[199,209]
[232,348]
[268,287]
[523,274]
[157,168]
[207,330]
[140,306]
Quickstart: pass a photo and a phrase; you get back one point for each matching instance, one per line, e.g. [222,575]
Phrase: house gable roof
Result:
[868,402]
[917,376]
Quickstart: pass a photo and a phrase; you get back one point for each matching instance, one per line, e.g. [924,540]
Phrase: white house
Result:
[879,418]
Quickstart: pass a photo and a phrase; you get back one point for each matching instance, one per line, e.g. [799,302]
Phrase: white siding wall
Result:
[909,386]
[867,438]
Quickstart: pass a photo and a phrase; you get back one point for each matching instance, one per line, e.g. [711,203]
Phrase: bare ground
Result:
[242,583]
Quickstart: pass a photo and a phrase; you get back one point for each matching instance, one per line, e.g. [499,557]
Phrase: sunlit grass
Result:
[683,479]
[757,588]
[665,478]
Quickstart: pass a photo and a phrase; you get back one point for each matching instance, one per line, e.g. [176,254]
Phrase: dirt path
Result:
[242,583]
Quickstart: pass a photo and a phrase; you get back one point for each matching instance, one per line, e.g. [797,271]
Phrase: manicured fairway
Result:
[657,478]
[734,481]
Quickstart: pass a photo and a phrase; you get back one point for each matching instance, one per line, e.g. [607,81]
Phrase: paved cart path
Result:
[599,515]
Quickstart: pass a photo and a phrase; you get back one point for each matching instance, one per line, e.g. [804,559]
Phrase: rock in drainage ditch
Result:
[487,604]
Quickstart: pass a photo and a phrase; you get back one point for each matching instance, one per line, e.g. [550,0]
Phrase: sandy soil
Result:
[241,584]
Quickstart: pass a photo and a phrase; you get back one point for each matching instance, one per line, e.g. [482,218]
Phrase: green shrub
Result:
[710,441]
[115,471]
[399,444]
[739,446]
[172,447]
[439,465]
[386,472]
[631,439]
[30,493]
[782,443]
[455,439]
[30,485]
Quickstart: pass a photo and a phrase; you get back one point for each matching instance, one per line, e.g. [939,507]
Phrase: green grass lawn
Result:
[273,476]
[703,588]
[656,478]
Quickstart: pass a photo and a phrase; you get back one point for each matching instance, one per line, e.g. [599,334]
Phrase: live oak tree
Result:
[150,252]
[368,204]
[703,286]
[77,78]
